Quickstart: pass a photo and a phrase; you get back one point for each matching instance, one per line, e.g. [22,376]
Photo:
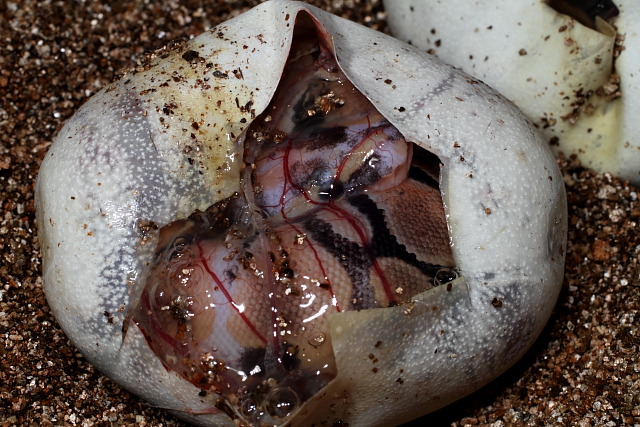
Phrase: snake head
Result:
[292,219]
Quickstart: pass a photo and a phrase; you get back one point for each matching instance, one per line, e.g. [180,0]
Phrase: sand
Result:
[584,370]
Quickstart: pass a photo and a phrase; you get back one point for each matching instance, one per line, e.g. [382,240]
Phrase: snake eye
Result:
[331,191]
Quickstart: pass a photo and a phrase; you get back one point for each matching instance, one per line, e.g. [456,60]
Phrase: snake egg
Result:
[293,219]
[571,66]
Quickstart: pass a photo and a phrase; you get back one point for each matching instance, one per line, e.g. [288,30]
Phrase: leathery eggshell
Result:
[119,170]
[566,76]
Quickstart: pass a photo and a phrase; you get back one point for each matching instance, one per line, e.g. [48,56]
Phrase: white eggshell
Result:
[627,66]
[547,63]
[115,167]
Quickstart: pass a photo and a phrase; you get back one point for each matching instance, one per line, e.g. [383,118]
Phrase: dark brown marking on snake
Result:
[385,244]
[354,258]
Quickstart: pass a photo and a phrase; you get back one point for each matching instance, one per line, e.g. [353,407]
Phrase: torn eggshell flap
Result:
[166,140]
[557,70]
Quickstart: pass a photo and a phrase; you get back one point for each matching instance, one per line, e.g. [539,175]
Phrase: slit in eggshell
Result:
[336,212]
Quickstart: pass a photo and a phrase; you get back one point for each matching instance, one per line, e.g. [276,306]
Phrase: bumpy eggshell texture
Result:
[546,63]
[115,170]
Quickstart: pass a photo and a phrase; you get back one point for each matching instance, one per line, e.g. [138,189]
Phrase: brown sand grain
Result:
[584,370]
